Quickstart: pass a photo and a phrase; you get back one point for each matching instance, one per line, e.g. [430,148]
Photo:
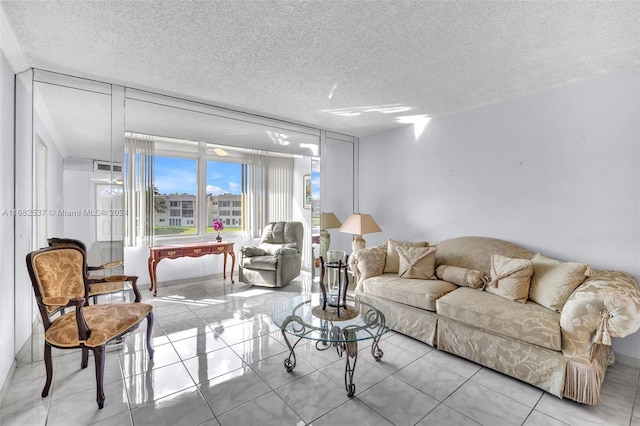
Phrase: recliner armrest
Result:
[250,251]
[285,251]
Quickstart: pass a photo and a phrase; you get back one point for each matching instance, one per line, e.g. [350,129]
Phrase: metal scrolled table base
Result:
[345,340]
[350,348]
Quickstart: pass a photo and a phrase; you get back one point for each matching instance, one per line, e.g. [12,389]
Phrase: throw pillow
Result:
[392,262]
[553,281]
[510,278]
[417,262]
[461,276]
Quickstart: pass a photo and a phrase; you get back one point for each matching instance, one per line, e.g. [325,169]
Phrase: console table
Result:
[157,253]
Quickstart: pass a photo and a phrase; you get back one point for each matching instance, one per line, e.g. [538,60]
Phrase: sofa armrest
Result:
[604,306]
[366,263]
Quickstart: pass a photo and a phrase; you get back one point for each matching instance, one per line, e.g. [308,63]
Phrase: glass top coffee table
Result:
[303,317]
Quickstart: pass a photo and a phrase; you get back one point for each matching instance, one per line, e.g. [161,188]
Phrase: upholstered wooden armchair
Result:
[100,284]
[59,281]
[276,260]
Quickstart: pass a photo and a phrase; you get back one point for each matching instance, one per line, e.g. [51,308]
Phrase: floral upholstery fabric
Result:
[553,281]
[529,323]
[417,262]
[414,322]
[476,252]
[461,276]
[540,367]
[60,274]
[564,353]
[105,322]
[366,263]
[419,293]
[56,302]
[510,278]
[105,288]
[612,293]
[392,261]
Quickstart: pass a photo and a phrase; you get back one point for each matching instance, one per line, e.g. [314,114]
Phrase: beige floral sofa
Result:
[543,321]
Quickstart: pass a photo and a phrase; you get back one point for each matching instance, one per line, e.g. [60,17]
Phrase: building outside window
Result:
[176,181]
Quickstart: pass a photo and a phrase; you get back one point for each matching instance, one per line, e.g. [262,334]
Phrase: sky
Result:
[178,176]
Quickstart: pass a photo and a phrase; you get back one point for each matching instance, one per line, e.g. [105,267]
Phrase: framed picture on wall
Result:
[306,186]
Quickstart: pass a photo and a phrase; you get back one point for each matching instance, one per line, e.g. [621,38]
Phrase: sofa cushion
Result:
[553,281]
[527,322]
[417,262]
[392,263]
[461,276]
[418,293]
[510,278]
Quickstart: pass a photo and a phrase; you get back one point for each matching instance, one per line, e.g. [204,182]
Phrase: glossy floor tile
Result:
[219,360]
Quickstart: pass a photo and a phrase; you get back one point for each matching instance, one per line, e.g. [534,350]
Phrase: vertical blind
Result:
[268,191]
[138,191]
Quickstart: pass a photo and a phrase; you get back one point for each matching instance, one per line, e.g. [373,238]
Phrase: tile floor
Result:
[219,361]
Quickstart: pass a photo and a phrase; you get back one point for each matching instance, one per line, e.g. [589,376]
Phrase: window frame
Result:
[202,155]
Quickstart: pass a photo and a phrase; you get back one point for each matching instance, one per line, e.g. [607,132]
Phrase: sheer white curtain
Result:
[138,191]
[268,191]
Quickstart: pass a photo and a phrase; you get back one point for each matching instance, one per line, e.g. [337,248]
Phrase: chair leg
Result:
[98,355]
[149,331]
[49,366]
[85,358]
[136,292]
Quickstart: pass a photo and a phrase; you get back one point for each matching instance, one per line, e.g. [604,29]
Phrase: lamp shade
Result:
[329,221]
[360,224]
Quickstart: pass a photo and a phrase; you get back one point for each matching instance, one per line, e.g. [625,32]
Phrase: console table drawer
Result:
[191,251]
[172,252]
[219,249]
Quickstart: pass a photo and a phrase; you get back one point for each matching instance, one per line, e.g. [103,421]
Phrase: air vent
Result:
[105,166]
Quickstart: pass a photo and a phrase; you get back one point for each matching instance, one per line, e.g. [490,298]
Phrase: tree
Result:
[159,202]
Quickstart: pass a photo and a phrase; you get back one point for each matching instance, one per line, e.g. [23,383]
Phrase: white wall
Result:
[338,195]
[79,195]
[54,178]
[556,172]
[7,346]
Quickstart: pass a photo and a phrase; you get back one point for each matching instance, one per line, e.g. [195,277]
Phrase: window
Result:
[191,186]
[175,180]
[224,189]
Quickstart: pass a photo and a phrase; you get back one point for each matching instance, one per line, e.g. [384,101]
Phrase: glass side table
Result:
[363,317]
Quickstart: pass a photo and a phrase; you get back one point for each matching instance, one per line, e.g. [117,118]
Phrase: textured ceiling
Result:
[356,67]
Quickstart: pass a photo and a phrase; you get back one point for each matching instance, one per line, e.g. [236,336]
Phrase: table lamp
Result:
[359,224]
[327,221]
